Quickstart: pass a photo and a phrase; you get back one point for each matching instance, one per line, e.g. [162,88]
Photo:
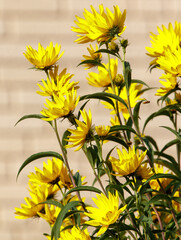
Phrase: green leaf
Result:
[81,108]
[171,166]
[100,96]
[161,175]
[56,227]
[53,202]
[169,144]
[159,197]
[174,132]
[105,97]
[37,156]
[127,74]
[167,156]
[123,227]
[122,128]
[83,188]
[139,82]
[165,111]
[152,141]
[37,116]
[117,140]
[106,51]
[64,138]
[93,62]
[136,113]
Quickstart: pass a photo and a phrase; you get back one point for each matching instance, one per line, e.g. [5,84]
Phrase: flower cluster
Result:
[138,194]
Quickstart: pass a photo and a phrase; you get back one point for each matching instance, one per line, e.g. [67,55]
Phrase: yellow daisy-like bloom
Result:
[75,234]
[54,172]
[50,214]
[101,26]
[164,181]
[133,96]
[93,56]
[44,58]
[128,162]
[166,39]
[38,195]
[107,212]
[82,133]
[61,106]
[102,78]
[169,84]
[171,62]
[58,85]
[144,171]
[102,131]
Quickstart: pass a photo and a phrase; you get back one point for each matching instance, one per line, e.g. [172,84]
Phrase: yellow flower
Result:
[83,131]
[169,84]
[102,26]
[54,172]
[171,62]
[61,106]
[128,162]
[144,171]
[38,195]
[75,234]
[44,58]
[93,56]
[133,96]
[50,213]
[166,39]
[57,85]
[163,181]
[107,212]
[102,131]
[102,78]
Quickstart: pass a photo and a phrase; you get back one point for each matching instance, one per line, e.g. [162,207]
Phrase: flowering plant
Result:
[137,191]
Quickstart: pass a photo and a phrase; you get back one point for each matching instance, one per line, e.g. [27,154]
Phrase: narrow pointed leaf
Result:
[106,51]
[83,188]
[93,62]
[169,144]
[37,116]
[117,140]
[55,234]
[37,156]
[136,113]
[174,132]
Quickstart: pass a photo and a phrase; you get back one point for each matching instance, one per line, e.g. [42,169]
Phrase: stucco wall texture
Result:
[28,22]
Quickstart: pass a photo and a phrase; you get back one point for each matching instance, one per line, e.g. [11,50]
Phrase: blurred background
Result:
[28,22]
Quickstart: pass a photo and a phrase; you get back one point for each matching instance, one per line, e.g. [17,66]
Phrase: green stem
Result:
[113,88]
[66,159]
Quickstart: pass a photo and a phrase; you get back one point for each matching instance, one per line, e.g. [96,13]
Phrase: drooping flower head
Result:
[61,106]
[54,172]
[100,26]
[56,85]
[43,58]
[83,131]
[102,78]
[128,162]
[93,56]
[106,213]
[167,39]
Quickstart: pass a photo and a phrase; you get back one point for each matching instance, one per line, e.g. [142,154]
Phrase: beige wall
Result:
[27,22]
